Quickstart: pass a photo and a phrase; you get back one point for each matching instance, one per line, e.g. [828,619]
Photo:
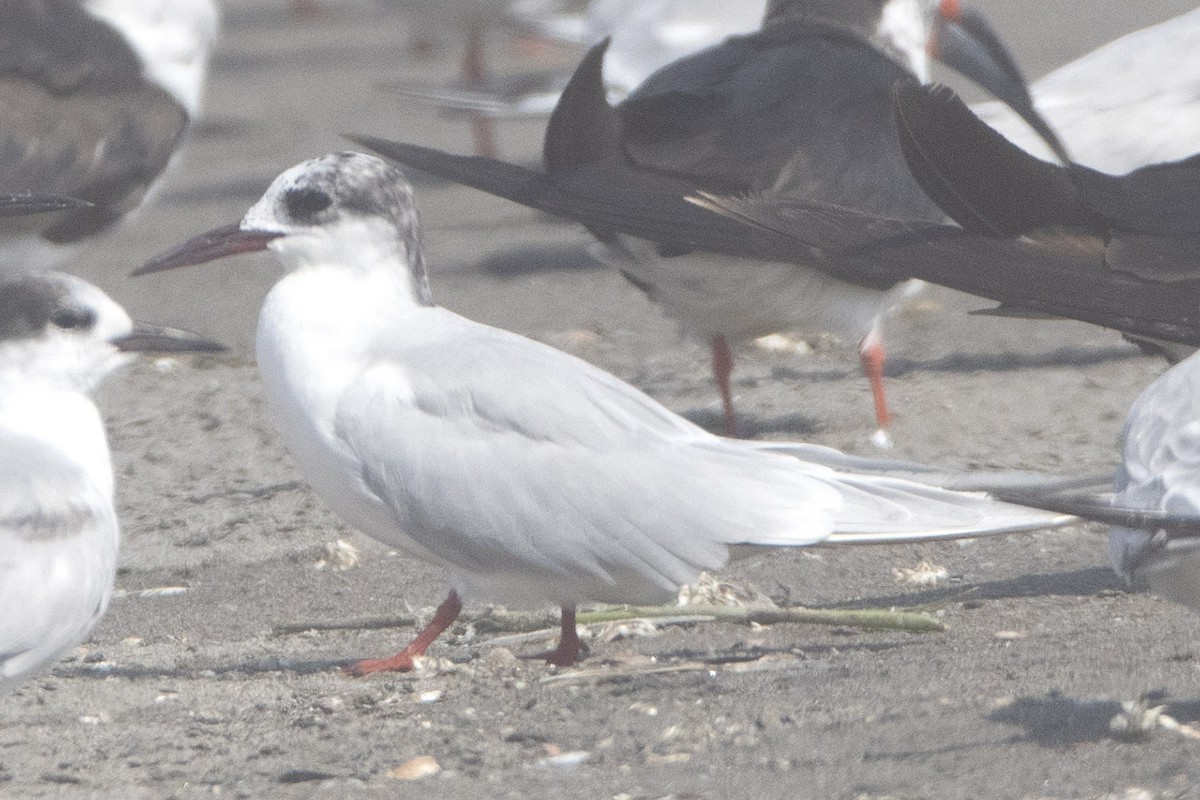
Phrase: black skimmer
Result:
[530,475]
[95,97]
[1040,238]
[802,108]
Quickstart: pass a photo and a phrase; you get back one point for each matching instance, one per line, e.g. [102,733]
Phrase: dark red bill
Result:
[228,240]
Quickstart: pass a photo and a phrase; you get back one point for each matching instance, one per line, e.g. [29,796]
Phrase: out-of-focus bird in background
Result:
[95,98]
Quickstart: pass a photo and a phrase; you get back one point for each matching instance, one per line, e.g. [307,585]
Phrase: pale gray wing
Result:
[501,455]
[58,542]
[879,509]
[77,117]
[1160,444]
[975,480]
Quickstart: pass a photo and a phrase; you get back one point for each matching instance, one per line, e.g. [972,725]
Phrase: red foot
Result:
[446,613]
[401,662]
[569,646]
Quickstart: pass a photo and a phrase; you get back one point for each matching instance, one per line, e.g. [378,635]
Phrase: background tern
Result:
[59,336]
[95,98]
[801,107]
[1154,508]
[528,474]
[1159,472]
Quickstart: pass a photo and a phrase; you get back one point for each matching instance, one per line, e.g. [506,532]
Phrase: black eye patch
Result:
[304,204]
[73,318]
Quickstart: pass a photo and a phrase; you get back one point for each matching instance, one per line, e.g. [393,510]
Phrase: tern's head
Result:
[344,210]
[61,331]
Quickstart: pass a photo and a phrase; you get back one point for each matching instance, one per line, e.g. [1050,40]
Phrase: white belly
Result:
[304,383]
[740,298]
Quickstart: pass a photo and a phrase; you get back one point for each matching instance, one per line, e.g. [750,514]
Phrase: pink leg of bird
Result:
[872,356]
[482,128]
[446,613]
[722,367]
[569,646]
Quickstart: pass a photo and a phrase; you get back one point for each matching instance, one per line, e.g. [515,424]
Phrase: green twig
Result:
[501,621]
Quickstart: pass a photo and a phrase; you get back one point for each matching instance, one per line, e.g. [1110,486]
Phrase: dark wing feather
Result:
[1099,509]
[583,128]
[984,182]
[799,107]
[1056,271]
[649,207]
[1157,199]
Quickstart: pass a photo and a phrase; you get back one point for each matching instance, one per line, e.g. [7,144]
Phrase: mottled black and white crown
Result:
[361,205]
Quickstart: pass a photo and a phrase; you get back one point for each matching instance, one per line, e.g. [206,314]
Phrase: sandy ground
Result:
[188,689]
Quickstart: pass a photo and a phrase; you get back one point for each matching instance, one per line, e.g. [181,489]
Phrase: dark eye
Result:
[73,318]
[305,204]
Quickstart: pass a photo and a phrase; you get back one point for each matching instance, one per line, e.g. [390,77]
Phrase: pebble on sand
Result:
[415,769]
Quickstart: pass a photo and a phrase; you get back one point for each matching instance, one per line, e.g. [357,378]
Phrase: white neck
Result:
[74,366]
[365,252]
[318,326]
[62,419]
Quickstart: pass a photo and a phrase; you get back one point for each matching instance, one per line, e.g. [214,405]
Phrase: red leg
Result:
[569,646]
[482,128]
[722,367]
[446,613]
[872,356]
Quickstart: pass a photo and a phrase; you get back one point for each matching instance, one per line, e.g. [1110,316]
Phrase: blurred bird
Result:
[1154,508]
[95,98]
[59,337]
[22,205]
[528,474]
[644,35]
[1160,472]
[802,109]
